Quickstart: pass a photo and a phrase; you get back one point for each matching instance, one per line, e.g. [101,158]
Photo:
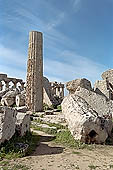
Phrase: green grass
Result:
[8,149]
[92,167]
[14,167]
[67,139]
[46,130]
[77,153]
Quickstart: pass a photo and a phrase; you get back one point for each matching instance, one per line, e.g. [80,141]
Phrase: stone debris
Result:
[9,98]
[53,92]
[84,123]
[7,123]
[20,100]
[108,75]
[74,84]
[22,123]
[102,87]
[97,102]
[22,109]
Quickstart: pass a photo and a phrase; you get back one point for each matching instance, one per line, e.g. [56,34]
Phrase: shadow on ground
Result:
[45,149]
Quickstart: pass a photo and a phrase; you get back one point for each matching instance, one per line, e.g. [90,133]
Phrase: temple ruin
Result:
[5,82]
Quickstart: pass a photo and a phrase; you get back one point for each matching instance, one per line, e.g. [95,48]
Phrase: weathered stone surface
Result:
[98,102]
[7,123]
[22,123]
[20,100]
[84,123]
[108,75]
[74,84]
[34,83]
[22,109]
[9,98]
[102,87]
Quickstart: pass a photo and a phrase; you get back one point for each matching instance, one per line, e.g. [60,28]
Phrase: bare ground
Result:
[51,156]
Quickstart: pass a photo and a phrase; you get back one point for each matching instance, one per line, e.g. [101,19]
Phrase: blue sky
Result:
[78,37]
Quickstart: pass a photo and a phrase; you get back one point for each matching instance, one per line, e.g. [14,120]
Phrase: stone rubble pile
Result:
[88,111]
[12,121]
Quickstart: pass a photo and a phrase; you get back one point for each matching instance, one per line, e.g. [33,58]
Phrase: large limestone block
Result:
[7,123]
[22,123]
[9,98]
[74,84]
[98,102]
[84,123]
[108,75]
[101,87]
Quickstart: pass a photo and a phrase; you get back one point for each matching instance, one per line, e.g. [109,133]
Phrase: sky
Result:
[77,37]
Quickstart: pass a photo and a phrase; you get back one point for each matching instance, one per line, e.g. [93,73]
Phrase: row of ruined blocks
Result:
[5,82]
[53,92]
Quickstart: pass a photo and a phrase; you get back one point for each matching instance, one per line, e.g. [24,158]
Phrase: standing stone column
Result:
[34,83]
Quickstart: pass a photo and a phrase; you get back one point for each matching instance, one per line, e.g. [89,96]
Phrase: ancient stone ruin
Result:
[38,91]
[34,82]
[88,111]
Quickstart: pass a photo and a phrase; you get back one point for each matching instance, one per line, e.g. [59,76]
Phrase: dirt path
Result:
[50,156]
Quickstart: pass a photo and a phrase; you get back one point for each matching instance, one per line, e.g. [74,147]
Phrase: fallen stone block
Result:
[98,102]
[84,122]
[22,123]
[9,98]
[74,84]
[7,123]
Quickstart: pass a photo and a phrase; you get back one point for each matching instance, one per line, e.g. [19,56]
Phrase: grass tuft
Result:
[8,149]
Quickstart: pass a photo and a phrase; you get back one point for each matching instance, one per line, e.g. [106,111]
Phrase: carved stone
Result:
[34,83]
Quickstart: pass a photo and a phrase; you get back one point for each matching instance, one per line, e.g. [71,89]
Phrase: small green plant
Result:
[45,107]
[92,167]
[46,130]
[77,153]
[59,108]
[65,138]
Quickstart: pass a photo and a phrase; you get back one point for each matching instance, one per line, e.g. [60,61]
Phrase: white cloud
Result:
[73,66]
[76,5]
[12,56]
[12,62]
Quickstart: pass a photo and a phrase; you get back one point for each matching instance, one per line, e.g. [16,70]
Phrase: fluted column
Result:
[34,83]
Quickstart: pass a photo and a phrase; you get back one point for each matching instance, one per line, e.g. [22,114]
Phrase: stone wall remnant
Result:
[34,82]
[4,78]
[53,92]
